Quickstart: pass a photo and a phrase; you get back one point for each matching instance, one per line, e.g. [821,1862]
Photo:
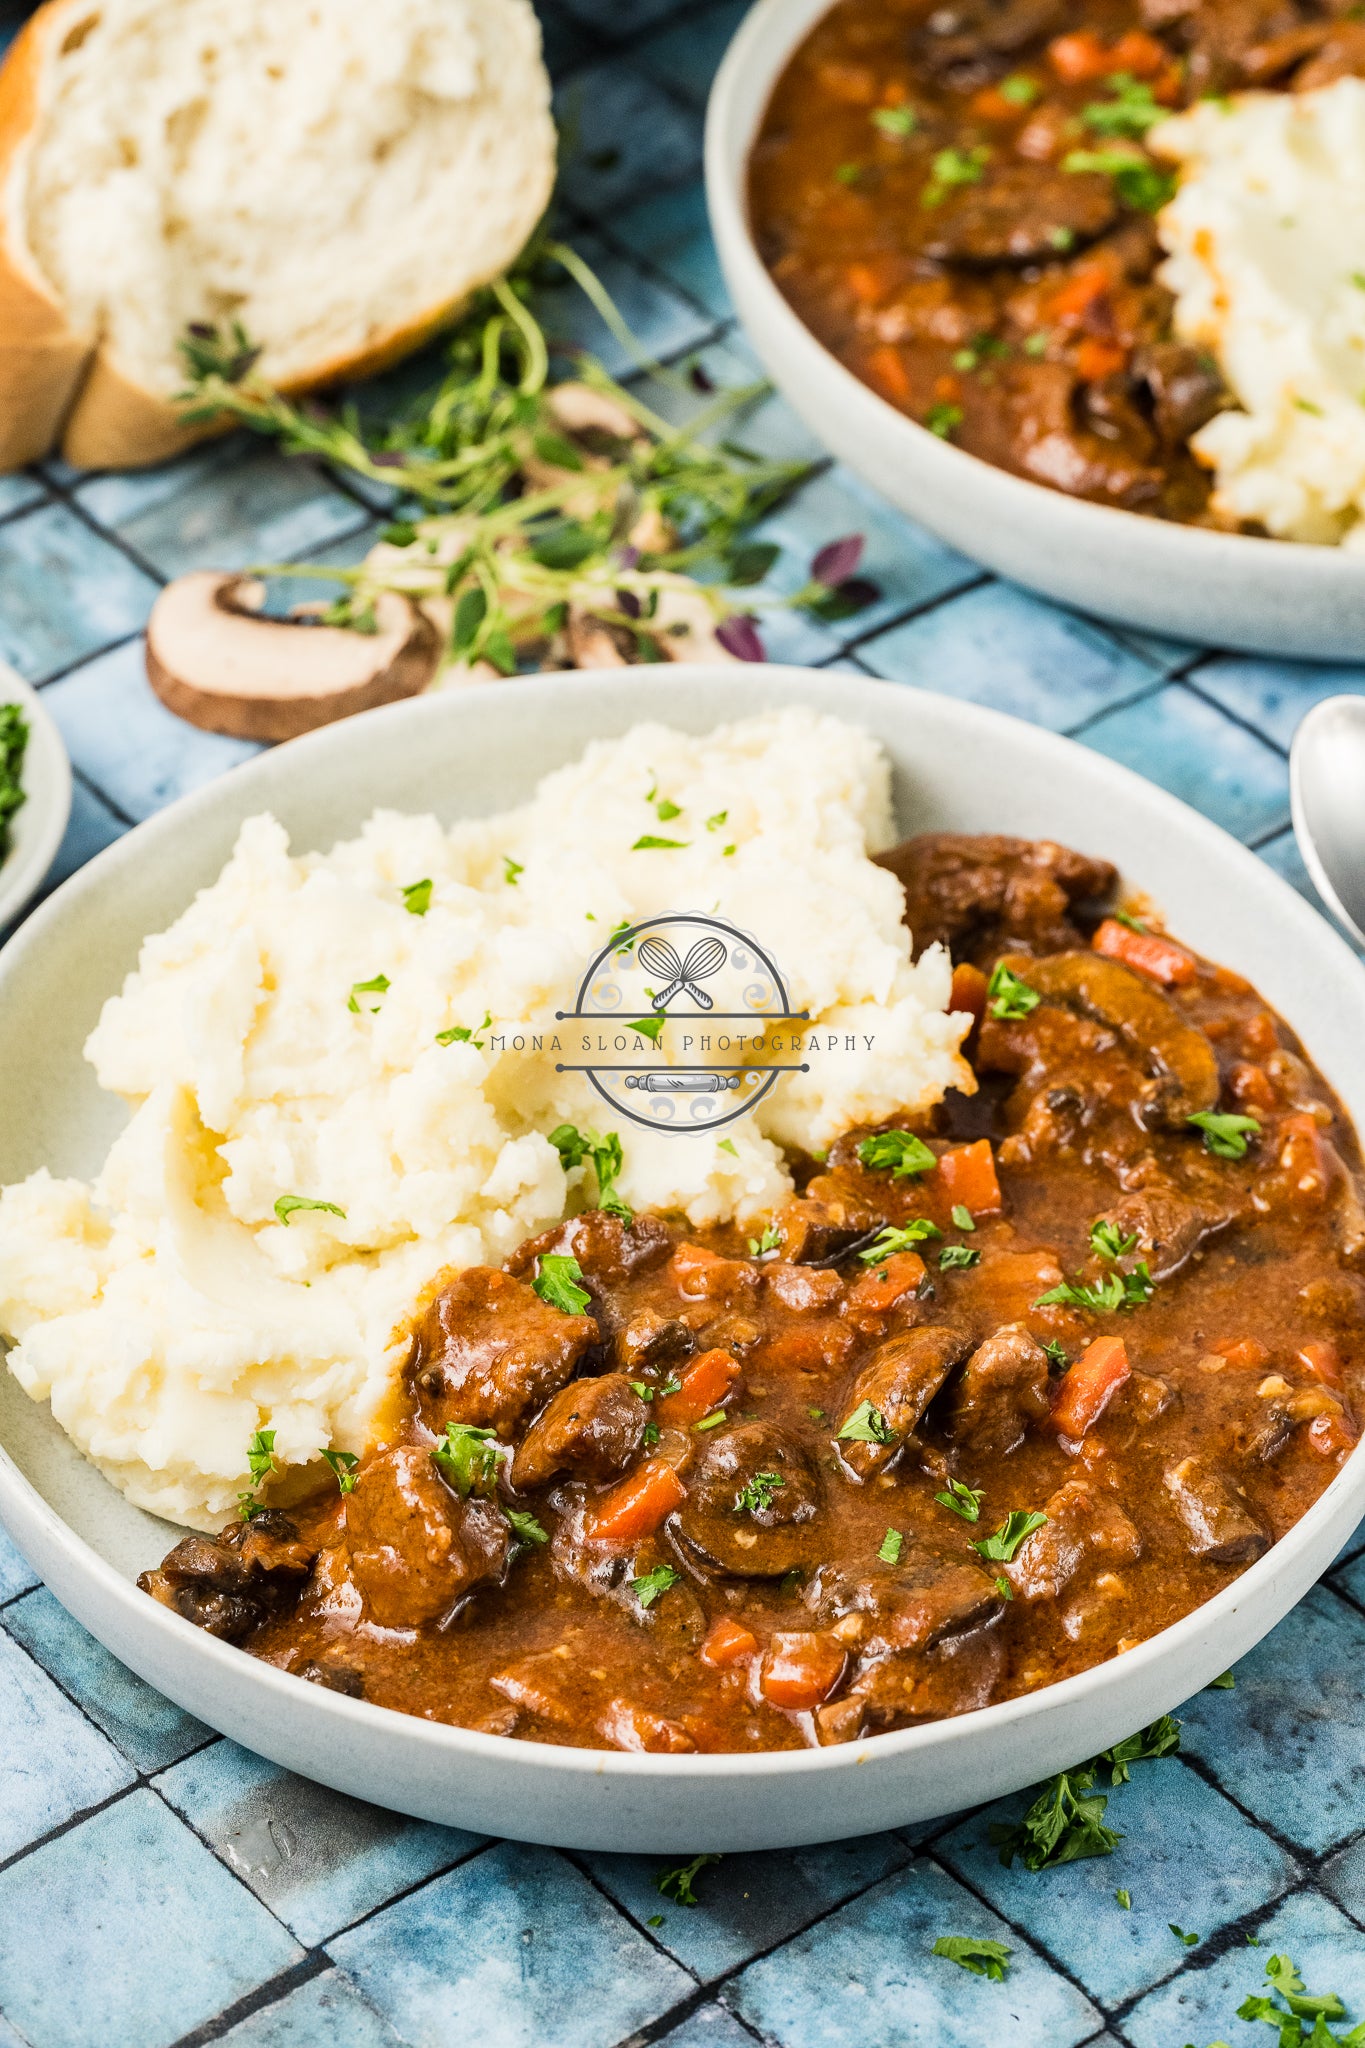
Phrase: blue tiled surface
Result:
[159,1886]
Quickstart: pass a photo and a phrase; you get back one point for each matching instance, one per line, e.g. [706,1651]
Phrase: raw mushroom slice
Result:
[214,660]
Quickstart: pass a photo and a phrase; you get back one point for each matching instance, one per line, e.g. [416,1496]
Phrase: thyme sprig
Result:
[541,511]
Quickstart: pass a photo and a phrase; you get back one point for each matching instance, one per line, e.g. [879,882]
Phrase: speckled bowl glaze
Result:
[1272,597]
[475,751]
[37,827]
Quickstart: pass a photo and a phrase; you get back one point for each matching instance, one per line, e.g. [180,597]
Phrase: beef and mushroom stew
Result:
[989,1401]
[958,199]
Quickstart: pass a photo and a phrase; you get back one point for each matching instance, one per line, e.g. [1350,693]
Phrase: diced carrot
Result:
[1090,1385]
[1230,981]
[706,1383]
[1301,1156]
[1332,1434]
[1150,953]
[853,84]
[703,1275]
[969,990]
[801,1668]
[817,1345]
[1250,1087]
[638,1505]
[870,282]
[1321,1357]
[887,373]
[947,388]
[727,1642]
[1166,86]
[1141,54]
[1080,56]
[967,1175]
[990,104]
[1259,1035]
[1096,359]
[1076,294]
[880,1288]
[1243,1354]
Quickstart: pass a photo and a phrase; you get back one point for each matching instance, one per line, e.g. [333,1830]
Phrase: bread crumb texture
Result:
[283,1038]
[330,174]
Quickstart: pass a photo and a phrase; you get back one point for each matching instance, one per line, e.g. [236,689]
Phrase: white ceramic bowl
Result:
[37,826]
[1273,597]
[471,752]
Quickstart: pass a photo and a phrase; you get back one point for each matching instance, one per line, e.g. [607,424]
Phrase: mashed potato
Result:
[282,1039]
[1267,262]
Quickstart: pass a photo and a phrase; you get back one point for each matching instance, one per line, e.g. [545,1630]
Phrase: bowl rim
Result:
[757,54]
[27,1512]
[41,820]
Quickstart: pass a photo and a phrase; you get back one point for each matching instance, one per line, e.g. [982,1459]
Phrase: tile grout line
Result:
[274,1991]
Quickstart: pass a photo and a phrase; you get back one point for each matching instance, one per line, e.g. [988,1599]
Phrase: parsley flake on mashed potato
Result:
[170,1308]
[1266,236]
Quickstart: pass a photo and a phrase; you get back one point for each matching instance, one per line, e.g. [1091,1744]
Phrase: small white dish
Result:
[37,826]
[478,750]
[1227,590]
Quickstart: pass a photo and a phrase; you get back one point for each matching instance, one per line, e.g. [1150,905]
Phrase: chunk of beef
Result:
[592,1428]
[491,1352]
[1169,1224]
[229,1584]
[1020,213]
[898,1689]
[898,1382]
[753,1498]
[914,1605]
[826,1223]
[1002,1388]
[971,39]
[626,1725]
[334,1678]
[1056,434]
[1184,387]
[417,1549]
[1080,1518]
[1221,1524]
[977,892]
[650,1341]
[801,1289]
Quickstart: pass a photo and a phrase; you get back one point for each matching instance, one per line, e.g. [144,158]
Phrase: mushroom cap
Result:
[216,661]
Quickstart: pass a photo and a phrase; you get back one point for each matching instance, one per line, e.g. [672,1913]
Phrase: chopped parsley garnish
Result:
[343,1464]
[556,1282]
[757,1496]
[954,1255]
[465,1034]
[983,1958]
[1102,1297]
[511,869]
[759,1247]
[648,840]
[260,1458]
[899,1237]
[666,810]
[1056,1354]
[943,418]
[1224,1682]
[651,1585]
[895,121]
[525,1528]
[1035,345]
[866,1425]
[679,1883]
[728,1145]
[648,1027]
[1018,1524]
[963,1218]
[1004,1588]
[954,167]
[711,1421]
[1299,2005]
[13,743]
[287,1205]
[1131,112]
[417,897]
[469,1458]
[651,1435]
[1008,996]
[848,174]
[961,1500]
[377,986]
[718,818]
[1107,1241]
[1225,1136]
[1018,89]
[900,1152]
[890,1549]
[1125,1900]
[1139,183]
[606,1158]
[1065,1823]
[816,1414]
[1188,1939]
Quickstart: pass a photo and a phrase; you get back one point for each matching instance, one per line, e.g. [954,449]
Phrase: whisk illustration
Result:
[703,960]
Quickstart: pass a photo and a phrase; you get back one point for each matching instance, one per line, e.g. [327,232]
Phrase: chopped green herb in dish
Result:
[1008,996]
[680,1882]
[867,1425]
[1000,1548]
[291,1205]
[556,1282]
[961,1500]
[14,733]
[900,1153]
[650,1586]
[1225,1136]
[899,1237]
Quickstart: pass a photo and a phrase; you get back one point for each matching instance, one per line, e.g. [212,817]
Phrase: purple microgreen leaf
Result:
[838,560]
[739,636]
[629,603]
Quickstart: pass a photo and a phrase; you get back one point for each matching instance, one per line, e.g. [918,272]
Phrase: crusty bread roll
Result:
[338,175]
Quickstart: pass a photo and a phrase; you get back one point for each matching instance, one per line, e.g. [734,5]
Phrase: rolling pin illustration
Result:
[683,1082]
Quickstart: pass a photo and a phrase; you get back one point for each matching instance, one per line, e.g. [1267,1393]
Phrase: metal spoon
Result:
[1327,797]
